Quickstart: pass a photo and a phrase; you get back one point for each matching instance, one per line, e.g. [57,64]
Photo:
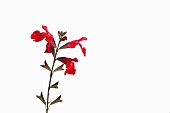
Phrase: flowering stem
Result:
[51,74]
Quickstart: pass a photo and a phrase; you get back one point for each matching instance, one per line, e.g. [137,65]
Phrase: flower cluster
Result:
[38,36]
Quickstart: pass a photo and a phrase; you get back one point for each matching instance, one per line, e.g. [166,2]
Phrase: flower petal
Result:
[37,36]
[45,28]
[70,68]
[70,71]
[48,48]
[83,38]
[49,37]
[84,51]
[70,64]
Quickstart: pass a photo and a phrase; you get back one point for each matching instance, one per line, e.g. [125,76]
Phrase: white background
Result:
[127,68]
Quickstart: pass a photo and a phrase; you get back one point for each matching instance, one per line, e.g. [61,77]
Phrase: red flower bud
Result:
[64,38]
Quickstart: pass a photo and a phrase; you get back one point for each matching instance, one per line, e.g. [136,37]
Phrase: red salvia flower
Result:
[74,43]
[70,68]
[37,36]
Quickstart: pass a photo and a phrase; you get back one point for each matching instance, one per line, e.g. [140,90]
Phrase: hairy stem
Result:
[51,74]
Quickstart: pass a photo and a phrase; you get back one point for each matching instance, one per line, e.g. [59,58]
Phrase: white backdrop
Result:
[127,68]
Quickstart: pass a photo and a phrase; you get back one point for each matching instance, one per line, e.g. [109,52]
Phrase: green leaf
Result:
[59,68]
[41,98]
[46,66]
[54,85]
[56,100]
[64,46]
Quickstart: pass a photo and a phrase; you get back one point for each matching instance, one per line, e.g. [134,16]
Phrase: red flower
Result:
[65,59]
[70,68]
[74,43]
[37,36]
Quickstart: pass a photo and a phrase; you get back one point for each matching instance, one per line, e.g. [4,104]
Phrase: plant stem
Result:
[51,74]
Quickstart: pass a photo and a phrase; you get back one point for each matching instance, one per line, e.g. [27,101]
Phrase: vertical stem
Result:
[51,74]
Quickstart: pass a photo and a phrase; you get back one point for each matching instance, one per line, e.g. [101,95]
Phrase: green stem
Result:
[51,74]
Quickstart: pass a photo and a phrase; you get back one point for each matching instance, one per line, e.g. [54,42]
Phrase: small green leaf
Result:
[59,68]
[46,66]
[54,85]
[41,98]
[64,46]
[56,100]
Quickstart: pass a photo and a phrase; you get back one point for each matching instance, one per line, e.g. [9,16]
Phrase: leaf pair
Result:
[60,68]
[46,66]
[41,98]
[53,102]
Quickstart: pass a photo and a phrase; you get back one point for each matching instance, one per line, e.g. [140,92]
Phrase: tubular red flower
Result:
[70,68]
[37,36]
[74,43]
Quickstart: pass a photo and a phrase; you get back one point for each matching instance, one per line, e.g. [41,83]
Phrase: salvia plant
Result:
[53,48]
